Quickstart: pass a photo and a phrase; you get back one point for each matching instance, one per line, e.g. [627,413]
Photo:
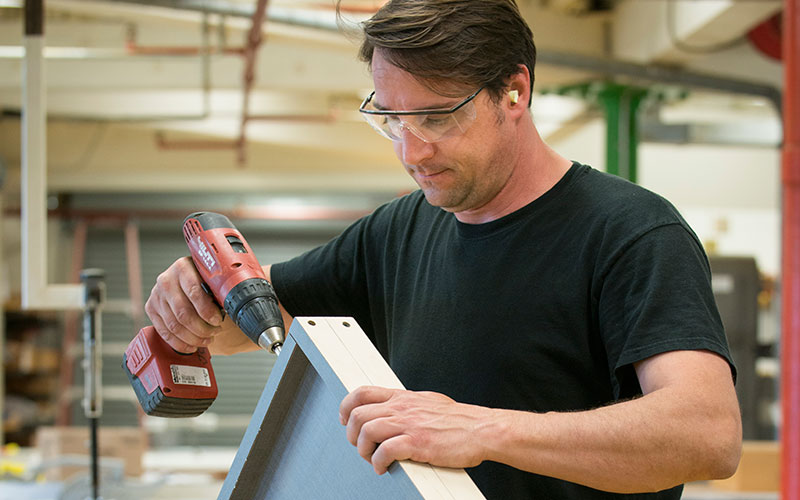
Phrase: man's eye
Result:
[436,121]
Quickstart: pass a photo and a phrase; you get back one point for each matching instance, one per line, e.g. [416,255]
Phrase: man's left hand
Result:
[392,424]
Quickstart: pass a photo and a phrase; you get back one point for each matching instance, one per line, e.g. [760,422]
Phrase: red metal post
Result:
[71,327]
[134,260]
[790,324]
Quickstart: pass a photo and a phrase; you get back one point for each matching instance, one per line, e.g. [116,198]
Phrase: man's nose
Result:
[413,150]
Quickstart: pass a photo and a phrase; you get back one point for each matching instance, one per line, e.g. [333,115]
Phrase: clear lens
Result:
[427,127]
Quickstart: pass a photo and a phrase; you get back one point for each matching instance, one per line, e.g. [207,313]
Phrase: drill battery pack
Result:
[166,382]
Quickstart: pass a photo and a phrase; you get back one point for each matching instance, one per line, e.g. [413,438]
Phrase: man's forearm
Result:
[647,444]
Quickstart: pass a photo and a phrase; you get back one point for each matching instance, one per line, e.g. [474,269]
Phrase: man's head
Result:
[453,80]
[453,45]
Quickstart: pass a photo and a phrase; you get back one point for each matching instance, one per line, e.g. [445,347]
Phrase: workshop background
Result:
[151,115]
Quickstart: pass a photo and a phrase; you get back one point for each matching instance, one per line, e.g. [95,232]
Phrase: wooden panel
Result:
[295,446]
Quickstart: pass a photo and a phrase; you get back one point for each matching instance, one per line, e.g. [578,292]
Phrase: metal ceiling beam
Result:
[661,75]
[220,7]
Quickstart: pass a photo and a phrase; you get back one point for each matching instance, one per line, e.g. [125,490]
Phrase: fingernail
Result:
[341,419]
[216,320]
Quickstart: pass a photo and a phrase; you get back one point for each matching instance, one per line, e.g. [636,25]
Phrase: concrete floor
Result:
[198,473]
[199,487]
[173,474]
[703,493]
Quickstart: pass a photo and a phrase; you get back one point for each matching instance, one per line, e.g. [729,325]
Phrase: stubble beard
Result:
[462,194]
[467,193]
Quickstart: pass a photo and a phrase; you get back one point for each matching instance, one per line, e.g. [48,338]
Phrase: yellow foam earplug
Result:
[513,95]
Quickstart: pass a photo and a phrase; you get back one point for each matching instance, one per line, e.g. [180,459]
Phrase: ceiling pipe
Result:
[133,48]
[36,293]
[223,8]
[254,39]
[347,9]
[250,51]
[661,75]
[790,308]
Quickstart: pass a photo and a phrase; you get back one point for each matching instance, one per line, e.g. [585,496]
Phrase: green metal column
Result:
[620,105]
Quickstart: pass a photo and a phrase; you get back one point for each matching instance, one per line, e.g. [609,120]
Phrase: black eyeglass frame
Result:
[417,112]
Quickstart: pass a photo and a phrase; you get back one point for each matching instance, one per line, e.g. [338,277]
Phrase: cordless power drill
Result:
[173,384]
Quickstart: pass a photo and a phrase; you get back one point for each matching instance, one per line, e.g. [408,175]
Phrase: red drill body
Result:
[172,384]
[221,270]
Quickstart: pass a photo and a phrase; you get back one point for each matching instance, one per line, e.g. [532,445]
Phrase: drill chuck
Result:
[252,306]
[271,339]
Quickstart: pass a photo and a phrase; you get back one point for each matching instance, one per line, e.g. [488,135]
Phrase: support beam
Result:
[621,106]
[790,324]
[36,293]
[3,298]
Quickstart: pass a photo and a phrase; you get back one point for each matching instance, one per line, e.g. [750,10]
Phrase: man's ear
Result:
[518,91]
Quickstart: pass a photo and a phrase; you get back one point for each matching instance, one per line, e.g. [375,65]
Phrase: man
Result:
[559,319]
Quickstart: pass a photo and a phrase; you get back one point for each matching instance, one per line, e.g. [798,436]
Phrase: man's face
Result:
[459,173]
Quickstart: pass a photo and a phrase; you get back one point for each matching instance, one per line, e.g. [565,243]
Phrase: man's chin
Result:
[436,198]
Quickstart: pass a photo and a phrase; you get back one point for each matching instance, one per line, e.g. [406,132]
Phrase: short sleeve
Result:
[328,280]
[656,297]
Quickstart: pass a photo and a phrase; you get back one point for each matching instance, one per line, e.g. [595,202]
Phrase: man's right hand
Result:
[183,313]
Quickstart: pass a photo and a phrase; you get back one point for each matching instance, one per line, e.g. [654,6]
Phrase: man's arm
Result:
[188,318]
[685,427]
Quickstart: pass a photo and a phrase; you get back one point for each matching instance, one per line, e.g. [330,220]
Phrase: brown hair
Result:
[452,45]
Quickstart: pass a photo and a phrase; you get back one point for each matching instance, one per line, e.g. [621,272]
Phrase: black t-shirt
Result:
[545,309]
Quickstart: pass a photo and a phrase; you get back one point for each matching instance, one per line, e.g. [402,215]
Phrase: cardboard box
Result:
[759,469]
[126,443]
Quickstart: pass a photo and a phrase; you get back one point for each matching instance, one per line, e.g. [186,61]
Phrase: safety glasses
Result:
[429,125]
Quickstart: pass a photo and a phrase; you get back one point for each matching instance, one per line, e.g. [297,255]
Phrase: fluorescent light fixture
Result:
[11,51]
[18,52]
[11,4]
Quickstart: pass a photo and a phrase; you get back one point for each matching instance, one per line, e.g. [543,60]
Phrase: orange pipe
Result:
[254,39]
[183,144]
[134,49]
[329,118]
[351,9]
[790,317]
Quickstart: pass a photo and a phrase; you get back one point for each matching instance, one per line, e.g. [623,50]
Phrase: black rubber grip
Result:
[210,220]
[253,306]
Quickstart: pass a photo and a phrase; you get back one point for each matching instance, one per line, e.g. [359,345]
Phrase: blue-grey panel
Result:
[295,446]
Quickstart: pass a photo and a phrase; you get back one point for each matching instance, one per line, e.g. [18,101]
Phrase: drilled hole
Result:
[311,322]
[345,323]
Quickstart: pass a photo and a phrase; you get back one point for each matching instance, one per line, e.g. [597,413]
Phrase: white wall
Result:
[729,195]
